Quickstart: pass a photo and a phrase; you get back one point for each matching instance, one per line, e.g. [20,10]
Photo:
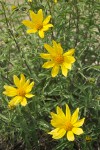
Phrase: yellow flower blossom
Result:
[56,59]
[66,123]
[55,1]
[88,138]
[37,24]
[29,0]
[13,7]
[20,93]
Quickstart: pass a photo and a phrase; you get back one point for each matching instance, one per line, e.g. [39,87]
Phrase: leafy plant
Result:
[75,25]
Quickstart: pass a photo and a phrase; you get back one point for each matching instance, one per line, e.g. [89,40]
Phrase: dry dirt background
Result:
[14,1]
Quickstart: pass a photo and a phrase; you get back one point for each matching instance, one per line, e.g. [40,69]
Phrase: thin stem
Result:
[5,78]
[12,36]
[51,10]
[8,27]
[77,22]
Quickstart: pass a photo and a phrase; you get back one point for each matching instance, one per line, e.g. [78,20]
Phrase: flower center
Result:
[21,92]
[39,26]
[68,126]
[59,59]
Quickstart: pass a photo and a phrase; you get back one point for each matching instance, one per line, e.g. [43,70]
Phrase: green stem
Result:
[13,37]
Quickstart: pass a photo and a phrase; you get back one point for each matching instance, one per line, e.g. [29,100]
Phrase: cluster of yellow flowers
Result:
[56,59]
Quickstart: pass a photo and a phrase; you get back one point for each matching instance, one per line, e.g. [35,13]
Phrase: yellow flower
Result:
[55,1]
[37,24]
[57,59]
[66,123]
[13,7]
[29,0]
[20,93]
[88,138]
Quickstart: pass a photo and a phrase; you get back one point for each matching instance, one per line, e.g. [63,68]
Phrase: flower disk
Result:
[20,93]
[65,123]
[58,59]
[37,24]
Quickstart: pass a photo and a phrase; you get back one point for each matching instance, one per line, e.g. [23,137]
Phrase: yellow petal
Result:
[68,66]
[7,87]
[28,23]
[10,91]
[48,64]
[16,81]
[15,101]
[33,16]
[57,48]
[55,71]
[48,48]
[70,136]
[57,121]
[60,112]
[69,59]
[55,45]
[53,114]
[26,84]
[41,33]
[29,95]
[74,117]
[77,131]
[31,31]
[45,56]
[22,80]
[53,131]
[24,102]
[29,87]
[47,19]
[64,70]
[60,49]
[40,15]
[46,27]
[69,52]
[68,113]
[57,133]
[79,123]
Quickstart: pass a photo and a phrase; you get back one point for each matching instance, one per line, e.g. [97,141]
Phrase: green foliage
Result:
[76,25]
